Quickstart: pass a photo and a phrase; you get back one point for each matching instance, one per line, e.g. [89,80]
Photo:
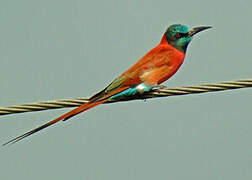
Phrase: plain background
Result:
[56,49]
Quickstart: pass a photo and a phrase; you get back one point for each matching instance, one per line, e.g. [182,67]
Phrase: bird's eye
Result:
[178,35]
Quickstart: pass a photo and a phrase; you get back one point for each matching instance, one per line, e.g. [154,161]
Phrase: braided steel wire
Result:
[160,91]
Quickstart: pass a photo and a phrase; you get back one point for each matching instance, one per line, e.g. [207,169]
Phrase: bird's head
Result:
[179,36]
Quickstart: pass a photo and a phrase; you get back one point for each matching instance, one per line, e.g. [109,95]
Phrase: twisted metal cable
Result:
[160,91]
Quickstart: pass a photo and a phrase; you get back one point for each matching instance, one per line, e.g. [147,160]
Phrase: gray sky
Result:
[54,49]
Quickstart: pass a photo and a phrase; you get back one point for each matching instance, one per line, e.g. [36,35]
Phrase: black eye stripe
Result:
[179,35]
[183,34]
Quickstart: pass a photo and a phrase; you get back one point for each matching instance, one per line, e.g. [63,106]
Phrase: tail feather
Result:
[67,115]
[82,109]
[64,117]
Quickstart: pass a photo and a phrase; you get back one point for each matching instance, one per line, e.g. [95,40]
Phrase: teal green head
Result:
[179,36]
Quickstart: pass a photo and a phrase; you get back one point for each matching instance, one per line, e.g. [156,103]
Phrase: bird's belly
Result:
[168,72]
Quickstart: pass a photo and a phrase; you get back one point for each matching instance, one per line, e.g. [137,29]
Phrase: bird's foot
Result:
[159,87]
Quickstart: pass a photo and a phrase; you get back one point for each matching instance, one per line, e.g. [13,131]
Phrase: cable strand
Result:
[160,91]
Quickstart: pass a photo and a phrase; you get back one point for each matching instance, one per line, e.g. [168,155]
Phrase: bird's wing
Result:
[155,59]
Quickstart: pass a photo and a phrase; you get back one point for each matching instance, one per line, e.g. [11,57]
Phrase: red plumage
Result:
[158,65]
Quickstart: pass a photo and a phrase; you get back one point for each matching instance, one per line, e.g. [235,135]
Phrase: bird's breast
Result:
[164,65]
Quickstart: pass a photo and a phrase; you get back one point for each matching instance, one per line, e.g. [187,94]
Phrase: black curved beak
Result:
[197,30]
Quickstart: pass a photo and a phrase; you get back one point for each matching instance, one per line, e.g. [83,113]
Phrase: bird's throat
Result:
[179,45]
[181,48]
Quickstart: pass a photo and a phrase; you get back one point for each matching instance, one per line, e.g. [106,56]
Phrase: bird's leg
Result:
[159,87]
[143,88]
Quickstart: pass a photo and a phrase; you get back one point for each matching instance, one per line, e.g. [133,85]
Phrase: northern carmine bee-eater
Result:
[158,65]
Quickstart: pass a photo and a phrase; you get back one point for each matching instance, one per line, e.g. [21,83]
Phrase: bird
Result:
[155,67]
